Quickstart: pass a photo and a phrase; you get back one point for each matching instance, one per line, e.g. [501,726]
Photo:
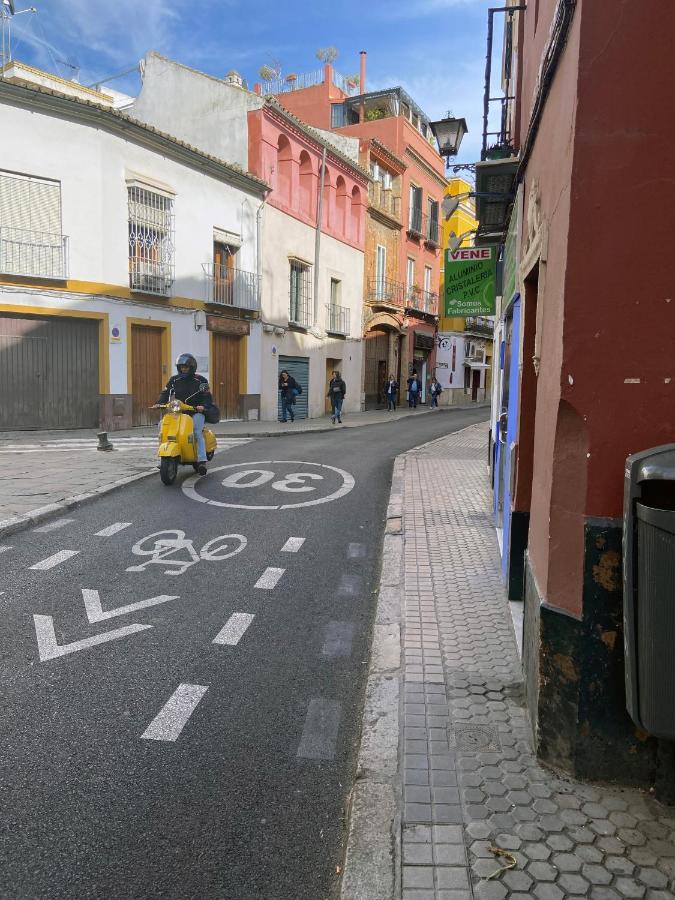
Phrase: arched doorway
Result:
[382,357]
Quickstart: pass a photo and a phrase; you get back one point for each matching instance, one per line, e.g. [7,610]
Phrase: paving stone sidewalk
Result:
[470,779]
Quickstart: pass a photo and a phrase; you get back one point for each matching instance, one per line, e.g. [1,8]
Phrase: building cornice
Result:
[426,168]
[383,151]
[384,218]
[45,100]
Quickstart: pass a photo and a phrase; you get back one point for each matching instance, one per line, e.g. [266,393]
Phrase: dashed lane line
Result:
[337,639]
[4,549]
[269,578]
[53,526]
[112,529]
[54,560]
[234,629]
[292,545]
[319,736]
[174,715]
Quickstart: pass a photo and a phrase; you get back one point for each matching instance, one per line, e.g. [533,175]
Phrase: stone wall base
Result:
[115,412]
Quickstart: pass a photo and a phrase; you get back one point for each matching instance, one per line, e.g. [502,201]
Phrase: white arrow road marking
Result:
[112,529]
[174,715]
[48,648]
[269,578]
[54,560]
[292,545]
[233,630]
[52,526]
[92,604]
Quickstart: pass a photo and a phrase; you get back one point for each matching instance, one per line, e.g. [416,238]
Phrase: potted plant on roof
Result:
[352,81]
[291,78]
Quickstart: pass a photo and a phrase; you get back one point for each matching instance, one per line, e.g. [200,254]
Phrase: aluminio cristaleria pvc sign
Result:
[470,281]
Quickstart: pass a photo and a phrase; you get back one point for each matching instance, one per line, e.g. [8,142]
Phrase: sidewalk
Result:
[446,768]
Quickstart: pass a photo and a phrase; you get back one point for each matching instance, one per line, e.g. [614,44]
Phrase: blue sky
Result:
[435,49]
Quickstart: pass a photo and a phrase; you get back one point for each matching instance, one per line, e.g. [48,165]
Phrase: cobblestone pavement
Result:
[471,782]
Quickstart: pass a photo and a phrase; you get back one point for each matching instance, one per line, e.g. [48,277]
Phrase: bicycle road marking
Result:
[348,482]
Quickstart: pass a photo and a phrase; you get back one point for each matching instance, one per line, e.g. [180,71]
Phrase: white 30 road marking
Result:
[348,482]
[269,578]
[233,630]
[92,604]
[48,648]
[54,560]
[292,545]
[112,529]
[173,716]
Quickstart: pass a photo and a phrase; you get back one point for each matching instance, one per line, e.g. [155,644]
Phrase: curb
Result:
[19,523]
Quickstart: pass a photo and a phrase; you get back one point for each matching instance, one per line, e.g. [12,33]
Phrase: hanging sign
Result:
[470,281]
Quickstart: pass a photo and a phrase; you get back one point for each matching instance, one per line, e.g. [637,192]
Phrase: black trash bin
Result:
[649,589]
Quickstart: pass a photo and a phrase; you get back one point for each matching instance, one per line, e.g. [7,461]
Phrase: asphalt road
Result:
[157,762]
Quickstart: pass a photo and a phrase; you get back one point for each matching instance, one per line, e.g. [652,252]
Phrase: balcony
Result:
[422,301]
[385,292]
[33,254]
[479,325]
[383,201]
[431,232]
[415,223]
[150,277]
[231,287]
[337,319]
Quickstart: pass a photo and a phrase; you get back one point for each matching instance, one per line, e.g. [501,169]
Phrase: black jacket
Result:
[288,387]
[393,385]
[337,382]
[184,387]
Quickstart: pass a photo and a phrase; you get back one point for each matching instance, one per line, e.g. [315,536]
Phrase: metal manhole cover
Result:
[476,737]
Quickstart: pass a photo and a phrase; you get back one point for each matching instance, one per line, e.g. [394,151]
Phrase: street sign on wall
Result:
[470,281]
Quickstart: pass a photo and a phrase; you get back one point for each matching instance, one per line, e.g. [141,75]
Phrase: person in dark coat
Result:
[414,390]
[390,392]
[336,391]
[435,391]
[289,390]
[192,389]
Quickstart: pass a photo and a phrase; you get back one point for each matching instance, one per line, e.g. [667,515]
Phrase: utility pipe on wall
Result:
[317,242]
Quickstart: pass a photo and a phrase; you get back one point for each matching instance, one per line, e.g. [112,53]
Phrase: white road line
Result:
[112,529]
[4,549]
[269,578]
[173,716]
[54,560]
[48,648]
[233,630]
[350,586]
[292,545]
[319,736]
[52,526]
[94,610]
[356,551]
[338,637]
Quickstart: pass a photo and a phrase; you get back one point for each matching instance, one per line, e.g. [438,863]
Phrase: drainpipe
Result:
[317,243]
[259,256]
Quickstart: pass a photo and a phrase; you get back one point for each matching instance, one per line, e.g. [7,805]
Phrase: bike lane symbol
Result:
[177,553]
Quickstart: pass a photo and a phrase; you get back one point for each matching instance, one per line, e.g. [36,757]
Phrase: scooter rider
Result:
[192,389]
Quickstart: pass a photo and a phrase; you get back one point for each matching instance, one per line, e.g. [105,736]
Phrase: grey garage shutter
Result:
[298,368]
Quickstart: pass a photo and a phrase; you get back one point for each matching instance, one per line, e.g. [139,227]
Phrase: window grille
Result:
[300,308]
[151,241]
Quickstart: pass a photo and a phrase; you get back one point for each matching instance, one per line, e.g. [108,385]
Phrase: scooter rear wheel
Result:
[168,469]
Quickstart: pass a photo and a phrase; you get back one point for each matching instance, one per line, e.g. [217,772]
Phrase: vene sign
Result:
[470,281]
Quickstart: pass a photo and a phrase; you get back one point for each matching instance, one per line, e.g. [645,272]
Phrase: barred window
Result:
[151,241]
[300,310]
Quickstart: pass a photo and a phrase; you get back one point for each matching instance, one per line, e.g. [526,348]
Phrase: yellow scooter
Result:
[177,440]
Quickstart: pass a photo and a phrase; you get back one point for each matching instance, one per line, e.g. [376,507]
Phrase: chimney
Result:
[362,83]
[257,88]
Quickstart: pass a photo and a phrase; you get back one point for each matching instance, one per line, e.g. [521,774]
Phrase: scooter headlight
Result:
[174,406]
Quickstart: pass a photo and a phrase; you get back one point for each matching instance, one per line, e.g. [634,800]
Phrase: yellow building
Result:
[462,222]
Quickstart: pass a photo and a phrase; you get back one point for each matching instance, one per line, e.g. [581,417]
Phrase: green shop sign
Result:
[470,281]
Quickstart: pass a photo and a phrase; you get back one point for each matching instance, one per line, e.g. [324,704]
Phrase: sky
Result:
[434,49]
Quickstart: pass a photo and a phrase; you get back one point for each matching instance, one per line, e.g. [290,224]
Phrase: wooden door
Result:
[147,375]
[225,374]
[377,353]
[223,273]
[475,384]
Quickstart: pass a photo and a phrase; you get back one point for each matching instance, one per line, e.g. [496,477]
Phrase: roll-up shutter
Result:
[30,204]
[298,368]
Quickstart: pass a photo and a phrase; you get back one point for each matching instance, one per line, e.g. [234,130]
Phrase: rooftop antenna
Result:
[7,13]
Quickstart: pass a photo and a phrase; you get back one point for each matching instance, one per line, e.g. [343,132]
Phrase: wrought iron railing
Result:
[151,240]
[33,254]
[348,86]
[422,301]
[415,221]
[231,287]
[293,82]
[384,200]
[386,291]
[431,231]
[479,325]
[337,319]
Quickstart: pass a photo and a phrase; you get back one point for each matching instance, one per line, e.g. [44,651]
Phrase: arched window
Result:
[306,185]
[355,217]
[341,203]
[284,169]
[328,213]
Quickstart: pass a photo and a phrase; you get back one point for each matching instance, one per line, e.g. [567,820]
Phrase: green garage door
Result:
[48,372]
[298,368]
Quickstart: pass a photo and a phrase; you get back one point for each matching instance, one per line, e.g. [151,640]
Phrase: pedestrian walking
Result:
[336,391]
[391,391]
[289,389]
[414,391]
[435,391]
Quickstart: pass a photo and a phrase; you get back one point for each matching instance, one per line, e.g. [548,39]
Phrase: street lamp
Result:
[449,133]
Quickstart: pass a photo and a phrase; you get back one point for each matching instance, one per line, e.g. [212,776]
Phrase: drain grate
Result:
[475,737]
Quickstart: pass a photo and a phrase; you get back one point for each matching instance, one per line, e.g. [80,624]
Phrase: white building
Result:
[112,236]
[312,277]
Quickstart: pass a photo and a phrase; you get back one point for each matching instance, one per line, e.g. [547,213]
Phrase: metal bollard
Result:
[103,442]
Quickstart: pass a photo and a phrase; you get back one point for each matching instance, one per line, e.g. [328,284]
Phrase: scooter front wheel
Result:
[168,469]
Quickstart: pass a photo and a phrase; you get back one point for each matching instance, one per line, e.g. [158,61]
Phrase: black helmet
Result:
[186,359]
